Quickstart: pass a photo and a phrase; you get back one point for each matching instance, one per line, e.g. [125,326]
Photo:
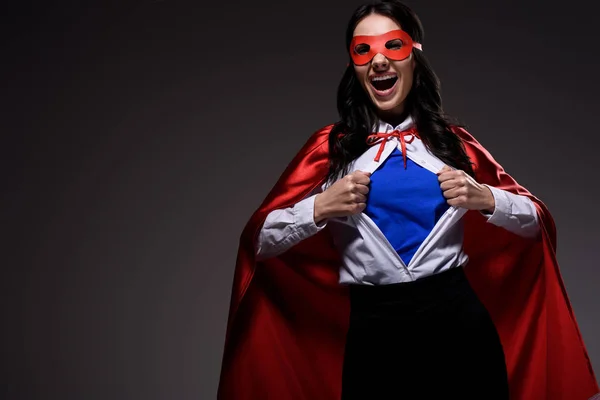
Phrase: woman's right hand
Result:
[347,196]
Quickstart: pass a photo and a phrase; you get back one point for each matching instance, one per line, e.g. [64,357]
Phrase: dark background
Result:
[138,137]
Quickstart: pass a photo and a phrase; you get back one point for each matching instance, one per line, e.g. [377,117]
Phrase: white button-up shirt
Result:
[367,256]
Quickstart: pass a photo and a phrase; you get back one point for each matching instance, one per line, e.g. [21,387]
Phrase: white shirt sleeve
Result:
[513,212]
[286,227]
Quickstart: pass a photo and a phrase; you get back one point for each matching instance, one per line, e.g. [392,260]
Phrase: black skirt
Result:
[427,339]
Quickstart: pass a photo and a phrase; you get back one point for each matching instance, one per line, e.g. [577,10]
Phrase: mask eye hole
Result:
[362,48]
[395,44]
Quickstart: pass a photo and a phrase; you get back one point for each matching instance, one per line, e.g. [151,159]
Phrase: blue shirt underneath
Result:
[405,204]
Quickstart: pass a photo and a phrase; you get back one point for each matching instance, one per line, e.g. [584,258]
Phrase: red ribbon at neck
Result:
[410,133]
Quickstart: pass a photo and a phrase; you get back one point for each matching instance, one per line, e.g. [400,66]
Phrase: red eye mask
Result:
[395,45]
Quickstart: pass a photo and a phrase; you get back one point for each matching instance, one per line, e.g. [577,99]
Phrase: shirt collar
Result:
[384,127]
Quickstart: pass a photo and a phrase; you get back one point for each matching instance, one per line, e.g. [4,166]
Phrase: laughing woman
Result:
[395,258]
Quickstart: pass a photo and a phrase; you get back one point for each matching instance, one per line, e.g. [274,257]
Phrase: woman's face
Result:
[387,95]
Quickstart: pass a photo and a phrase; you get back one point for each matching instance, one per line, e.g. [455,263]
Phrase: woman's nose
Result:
[380,61]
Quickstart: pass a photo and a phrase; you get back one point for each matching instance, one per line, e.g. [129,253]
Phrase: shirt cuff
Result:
[304,217]
[514,212]
[502,207]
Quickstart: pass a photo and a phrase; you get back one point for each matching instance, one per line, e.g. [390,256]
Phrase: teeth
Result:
[382,78]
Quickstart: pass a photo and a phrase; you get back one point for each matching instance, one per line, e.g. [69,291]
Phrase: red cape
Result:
[288,315]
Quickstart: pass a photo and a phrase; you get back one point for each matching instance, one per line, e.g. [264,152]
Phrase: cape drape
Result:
[288,315]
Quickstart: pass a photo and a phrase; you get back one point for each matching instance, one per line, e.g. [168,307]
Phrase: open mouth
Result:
[384,83]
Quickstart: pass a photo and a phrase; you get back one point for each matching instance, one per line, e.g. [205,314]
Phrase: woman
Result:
[395,258]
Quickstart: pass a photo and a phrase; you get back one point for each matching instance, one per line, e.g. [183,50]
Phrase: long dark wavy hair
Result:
[347,139]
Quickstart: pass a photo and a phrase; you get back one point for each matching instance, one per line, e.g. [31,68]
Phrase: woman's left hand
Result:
[461,190]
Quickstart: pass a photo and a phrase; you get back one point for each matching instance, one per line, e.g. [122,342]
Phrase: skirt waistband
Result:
[430,290]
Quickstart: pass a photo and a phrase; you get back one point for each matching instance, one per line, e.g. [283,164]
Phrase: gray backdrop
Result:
[138,138]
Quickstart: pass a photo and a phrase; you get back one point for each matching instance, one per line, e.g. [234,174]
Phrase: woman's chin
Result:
[387,105]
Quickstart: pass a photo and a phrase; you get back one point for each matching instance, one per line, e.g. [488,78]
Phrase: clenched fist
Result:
[461,190]
[347,196]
